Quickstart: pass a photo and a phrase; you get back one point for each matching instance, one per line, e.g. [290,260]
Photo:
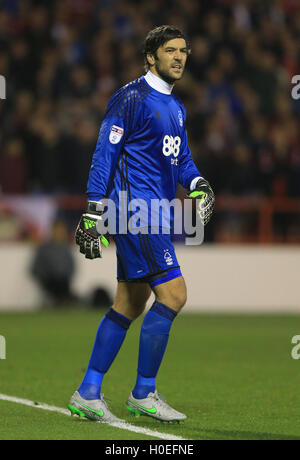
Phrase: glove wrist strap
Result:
[200,182]
[95,207]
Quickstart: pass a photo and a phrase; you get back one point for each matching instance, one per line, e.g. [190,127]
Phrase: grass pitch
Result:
[232,375]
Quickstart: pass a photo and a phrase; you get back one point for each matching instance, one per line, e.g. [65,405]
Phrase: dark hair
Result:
[157,37]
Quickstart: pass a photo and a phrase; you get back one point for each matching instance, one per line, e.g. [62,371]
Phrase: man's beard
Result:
[165,76]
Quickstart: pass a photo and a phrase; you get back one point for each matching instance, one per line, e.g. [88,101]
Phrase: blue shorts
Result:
[147,258]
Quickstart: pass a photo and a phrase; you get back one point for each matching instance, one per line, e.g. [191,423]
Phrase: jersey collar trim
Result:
[158,84]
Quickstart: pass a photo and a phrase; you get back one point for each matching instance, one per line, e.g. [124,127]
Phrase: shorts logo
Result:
[116,134]
[168,257]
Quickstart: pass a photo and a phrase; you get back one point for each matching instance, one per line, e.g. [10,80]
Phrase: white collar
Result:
[157,83]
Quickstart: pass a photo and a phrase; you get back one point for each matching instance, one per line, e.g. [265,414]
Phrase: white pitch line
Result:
[122,426]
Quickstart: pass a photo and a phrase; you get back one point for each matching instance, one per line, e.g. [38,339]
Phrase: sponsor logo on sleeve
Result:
[116,134]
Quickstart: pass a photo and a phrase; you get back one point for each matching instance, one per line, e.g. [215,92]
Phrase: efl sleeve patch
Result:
[116,134]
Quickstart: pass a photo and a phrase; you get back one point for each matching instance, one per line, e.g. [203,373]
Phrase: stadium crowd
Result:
[63,59]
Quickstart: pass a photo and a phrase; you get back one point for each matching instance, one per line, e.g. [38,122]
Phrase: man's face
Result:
[171,59]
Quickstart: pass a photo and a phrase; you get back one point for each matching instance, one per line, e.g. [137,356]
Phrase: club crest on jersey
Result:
[116,134]
[180,118]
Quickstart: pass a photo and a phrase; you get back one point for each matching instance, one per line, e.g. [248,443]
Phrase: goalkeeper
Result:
[142,150]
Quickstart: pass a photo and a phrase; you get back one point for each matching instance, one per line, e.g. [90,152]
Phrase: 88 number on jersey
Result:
[171,146]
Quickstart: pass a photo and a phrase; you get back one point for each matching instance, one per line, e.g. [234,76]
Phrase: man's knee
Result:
[137,307]
[172,294]
[131,300]
[131,310]
[174,300]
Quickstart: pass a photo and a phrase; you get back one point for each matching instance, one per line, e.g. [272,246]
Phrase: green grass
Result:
[232,375]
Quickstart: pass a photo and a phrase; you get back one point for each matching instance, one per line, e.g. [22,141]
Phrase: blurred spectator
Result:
[77,155]
[46,156]
[13,168]
[53,266]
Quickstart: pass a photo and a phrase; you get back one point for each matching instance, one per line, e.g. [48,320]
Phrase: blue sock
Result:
[110,336]
[153,342]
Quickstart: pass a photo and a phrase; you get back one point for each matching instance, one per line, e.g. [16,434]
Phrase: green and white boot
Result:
[96,409]
[154,406]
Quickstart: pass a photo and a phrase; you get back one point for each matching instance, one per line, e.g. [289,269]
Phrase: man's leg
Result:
[129,303]
[170,297]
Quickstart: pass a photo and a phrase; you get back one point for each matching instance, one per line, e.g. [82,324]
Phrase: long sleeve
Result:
[115,128]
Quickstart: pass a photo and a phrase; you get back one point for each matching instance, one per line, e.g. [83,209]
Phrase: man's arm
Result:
[114,130]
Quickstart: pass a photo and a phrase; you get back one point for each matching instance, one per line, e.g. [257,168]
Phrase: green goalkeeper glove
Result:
[87,236]
[204,193]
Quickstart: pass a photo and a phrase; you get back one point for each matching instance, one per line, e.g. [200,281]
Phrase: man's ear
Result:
[151,59]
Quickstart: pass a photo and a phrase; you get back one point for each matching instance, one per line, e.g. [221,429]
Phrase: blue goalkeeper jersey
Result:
[142,147]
